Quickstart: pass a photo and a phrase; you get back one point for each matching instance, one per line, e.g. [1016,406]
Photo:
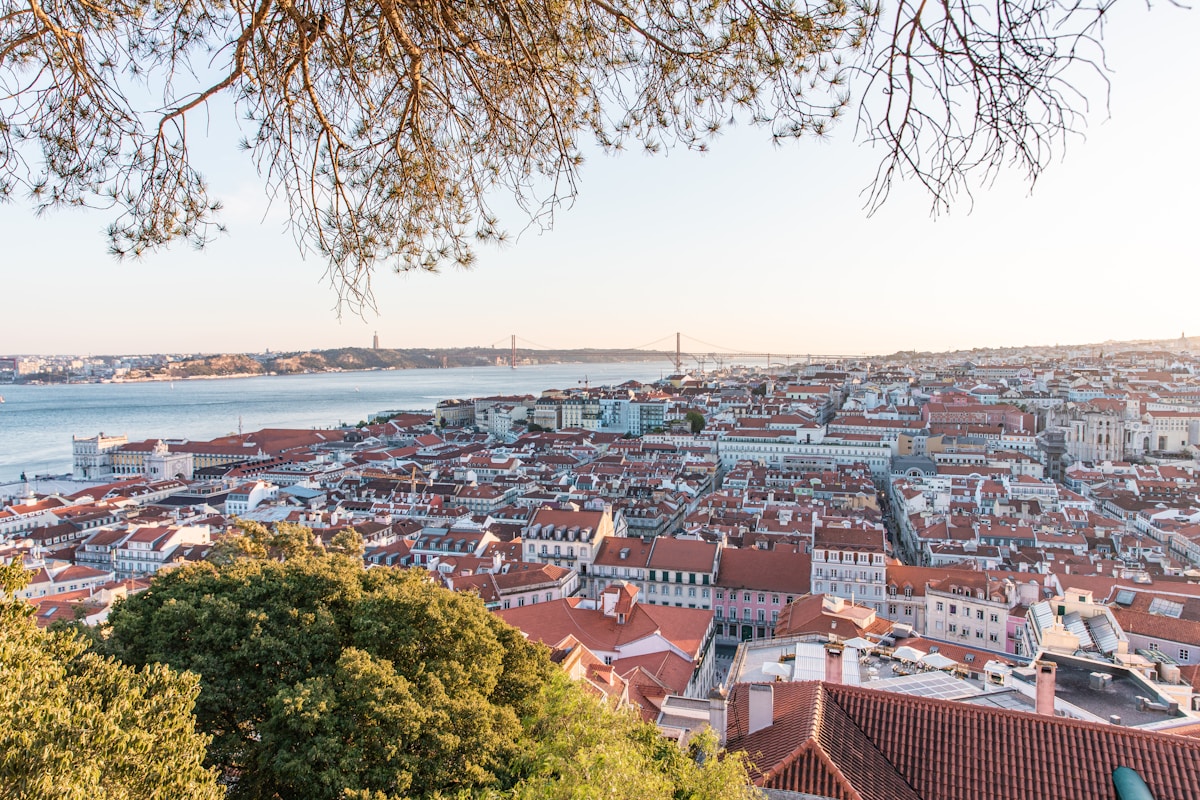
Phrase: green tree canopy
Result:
[320,679]
[77,726]
[318,675]
[695,420]
[385,125]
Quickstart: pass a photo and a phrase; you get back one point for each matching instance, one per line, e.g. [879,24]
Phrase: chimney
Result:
[833,662]
[1045,686]
[718,710]
[762,707]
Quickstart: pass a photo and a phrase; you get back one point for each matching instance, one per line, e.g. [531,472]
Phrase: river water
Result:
[37,422]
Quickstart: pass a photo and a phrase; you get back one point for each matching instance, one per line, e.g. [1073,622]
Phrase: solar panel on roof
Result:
[1075,625]
[1102,633]
[1166,608]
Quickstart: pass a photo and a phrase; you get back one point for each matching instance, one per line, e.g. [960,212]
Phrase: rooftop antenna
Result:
[239,424]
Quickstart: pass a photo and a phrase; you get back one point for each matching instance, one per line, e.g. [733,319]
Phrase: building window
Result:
[720,594]
[745,597]
[762,615]
[774,599]
[653,589]
[762,598]
[995,617]
[679,591]
[1184,654]
[691,591]
[953,628]
[953,608]
[941,606]
[720,612]
[704,593]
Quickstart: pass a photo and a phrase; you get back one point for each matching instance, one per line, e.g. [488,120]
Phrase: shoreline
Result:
[167,378]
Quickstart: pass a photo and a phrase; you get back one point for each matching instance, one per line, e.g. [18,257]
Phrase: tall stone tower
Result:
[375,341]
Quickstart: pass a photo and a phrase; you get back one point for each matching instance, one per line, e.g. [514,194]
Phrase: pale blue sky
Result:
[748,246]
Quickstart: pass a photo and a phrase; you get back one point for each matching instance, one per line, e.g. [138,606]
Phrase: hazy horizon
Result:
[501,350]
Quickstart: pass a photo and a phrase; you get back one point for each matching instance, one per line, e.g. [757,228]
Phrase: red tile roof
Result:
[687,555]
[786,569]
[552,622]
[809,615]
[848,741]
[1157,626]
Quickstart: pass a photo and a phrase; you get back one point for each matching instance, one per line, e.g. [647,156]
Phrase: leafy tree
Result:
[385,125]
[76,725]
[582,748]
[323,680]
[696,420]
[319,676]
[348,542]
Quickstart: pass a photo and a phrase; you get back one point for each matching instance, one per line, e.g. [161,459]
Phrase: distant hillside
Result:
[361,358]
[215,366]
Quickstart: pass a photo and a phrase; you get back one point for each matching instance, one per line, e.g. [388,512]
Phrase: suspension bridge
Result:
[698,352]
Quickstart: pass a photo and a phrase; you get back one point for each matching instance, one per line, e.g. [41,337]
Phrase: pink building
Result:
[753,586]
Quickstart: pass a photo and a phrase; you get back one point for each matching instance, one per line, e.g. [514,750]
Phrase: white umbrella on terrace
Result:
[937,661]
[907,653]
[859,643]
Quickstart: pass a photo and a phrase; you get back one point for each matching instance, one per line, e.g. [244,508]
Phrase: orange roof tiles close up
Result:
[851,742]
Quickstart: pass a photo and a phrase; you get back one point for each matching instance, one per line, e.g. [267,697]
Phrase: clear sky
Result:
[747,247]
